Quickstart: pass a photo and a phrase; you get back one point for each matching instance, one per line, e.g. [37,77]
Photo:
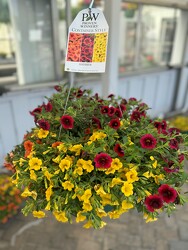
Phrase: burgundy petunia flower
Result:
[110,96]
[148,141]
[136,116]
[96,121]
[167,193]
[44,124]
[170,168]
[36,111]
[48,107]
[79,93]
[181,158]
[57,88]
[114,123]
[67,122]
[118,112]
[111,111]
[153,202]
[104,110]
[174,144]
[132,99]
[124,101]
[119,150]
[175,131]
[123,107]
[102,160]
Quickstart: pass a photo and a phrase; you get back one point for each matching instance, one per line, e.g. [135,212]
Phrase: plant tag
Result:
[87,42]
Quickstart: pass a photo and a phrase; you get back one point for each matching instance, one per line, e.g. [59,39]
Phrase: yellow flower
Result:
[80,163]
[64,165]
[39,214]
[158,177]
[87,206]
[33,176]
[126,205]
[127,189]
[114,214]
[130,142]
[35,163]
[87,165]
[116,181]
[48,206]
[86,196]
[78,171]
[76,148]
[148,174]
[88,224]
[101,213]
[132,176]
[49,193]
[60,216]
[68,185]
[28,193]
[106,199]
[80,217]
[48,175]
[97,136]
[57,159]
[154,164]
[42,133]
[149,218]
[99,190]
[116,164]
[21,162]
[62,147]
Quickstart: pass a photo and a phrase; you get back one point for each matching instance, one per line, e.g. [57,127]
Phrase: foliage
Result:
[88,158]
[10,198]
[4,12]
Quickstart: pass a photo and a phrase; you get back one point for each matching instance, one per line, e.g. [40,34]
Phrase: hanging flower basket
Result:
[88,158]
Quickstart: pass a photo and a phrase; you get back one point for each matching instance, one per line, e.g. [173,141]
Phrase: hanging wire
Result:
[91,4]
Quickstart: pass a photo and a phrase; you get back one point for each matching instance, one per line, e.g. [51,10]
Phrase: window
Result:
[147,36]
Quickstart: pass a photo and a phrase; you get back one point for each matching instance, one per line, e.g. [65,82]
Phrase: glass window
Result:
[146,36]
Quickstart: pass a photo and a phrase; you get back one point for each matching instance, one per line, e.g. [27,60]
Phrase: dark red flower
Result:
[110,96]
[79,93]
[132,99]
[102,160]
[170,168]
[96,122]
[167,193]
[111,111]
[57,88]
[87,131]
[124,101]
[148,141]
[123,107]
[44,124]
[114,123]
[67,122]
[153,202]
[119,150]
[181,158]
[174,144]
[104,109]
[48,107]
[175,131]
[36,111]
[136,116]
[118,112]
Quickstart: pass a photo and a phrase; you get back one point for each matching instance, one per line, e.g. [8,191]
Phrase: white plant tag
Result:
[87,42]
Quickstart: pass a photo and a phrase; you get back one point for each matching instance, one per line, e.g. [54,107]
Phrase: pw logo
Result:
[90,16]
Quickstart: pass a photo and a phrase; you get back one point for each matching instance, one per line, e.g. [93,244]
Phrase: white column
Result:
[110,77]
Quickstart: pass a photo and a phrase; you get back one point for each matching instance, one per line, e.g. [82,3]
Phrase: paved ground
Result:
[128,233]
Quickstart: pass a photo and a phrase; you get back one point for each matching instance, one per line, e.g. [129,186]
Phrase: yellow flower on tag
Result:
[39,214]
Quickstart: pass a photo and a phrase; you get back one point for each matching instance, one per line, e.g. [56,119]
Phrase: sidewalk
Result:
[130,232]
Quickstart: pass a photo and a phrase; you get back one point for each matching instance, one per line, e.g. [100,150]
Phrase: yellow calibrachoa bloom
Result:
[78,171]
[97,136]
[127,189]
[87,165]
[148,218]
[39,214]
[116,181]
[33,176]
[62,147]
[80,217]
[88,224]
[101,213]
[87,206]
[57,159]
[60,216]
[49,193]
[42,133]
[48,175]
[64,165]
[154,164]
[76,148]
[35,163]
[68,185]
[115,165]
[48,206]
[132,176]
[86,196]
[26,193]
[126,205]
